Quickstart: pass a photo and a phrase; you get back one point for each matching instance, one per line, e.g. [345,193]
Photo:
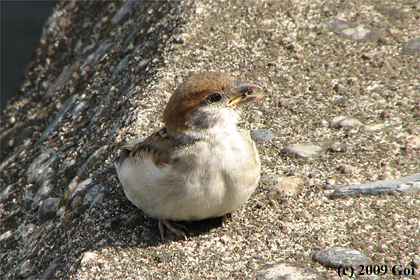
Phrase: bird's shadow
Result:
[146,229]
[195,228]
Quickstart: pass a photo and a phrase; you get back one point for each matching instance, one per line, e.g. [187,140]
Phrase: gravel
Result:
[101,77]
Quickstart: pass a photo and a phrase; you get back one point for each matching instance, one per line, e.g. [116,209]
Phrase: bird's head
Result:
[207,100]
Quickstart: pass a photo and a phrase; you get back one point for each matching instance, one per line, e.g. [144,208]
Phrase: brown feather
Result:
[159,144]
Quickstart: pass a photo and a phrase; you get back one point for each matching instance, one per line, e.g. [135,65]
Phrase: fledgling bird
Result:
[199,165]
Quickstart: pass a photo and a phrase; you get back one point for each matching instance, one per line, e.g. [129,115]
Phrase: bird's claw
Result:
[178,229]
[225,217]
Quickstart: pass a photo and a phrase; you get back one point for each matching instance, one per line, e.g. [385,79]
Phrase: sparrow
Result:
[199,165]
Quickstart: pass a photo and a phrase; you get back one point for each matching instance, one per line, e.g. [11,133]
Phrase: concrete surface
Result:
[102,76]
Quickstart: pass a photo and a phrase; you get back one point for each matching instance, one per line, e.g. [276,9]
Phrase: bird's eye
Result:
[214,97]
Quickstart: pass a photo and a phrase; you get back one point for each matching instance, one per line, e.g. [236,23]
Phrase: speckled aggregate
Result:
[102,76]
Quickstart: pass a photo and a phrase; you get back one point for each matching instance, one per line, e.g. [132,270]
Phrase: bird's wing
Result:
[158,145]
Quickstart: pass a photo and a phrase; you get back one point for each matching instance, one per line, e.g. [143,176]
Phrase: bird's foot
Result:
[225,217]
[178,229]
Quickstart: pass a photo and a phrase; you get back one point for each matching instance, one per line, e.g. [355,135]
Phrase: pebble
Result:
[339,256]
[409,184]
[262,134]
[329,183]
[61,81]
[328,187]
[128,42]
[342,121]
[39,160]
[121,65]
[349,122]
[93,193]
[338,147]
[43,172]
[415,262]
[289,187]
[80,190]
[49,272]
[25,269]
[43,192]
[123,11]
[285,270]
[79,108]
[6,235]
[271,177]
[316,248]
[305,150]
[412,221]
[412,46]
[48,208]
[348,169]
[7,191]
[88,258]
[66,145]
[164,257]
[382,248]
[334,122]
[45,175]
[341,101]
[353,30]
[374,127]
[413,143]
[141,64]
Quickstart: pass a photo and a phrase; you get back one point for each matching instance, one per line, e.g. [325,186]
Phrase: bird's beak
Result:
[244,94]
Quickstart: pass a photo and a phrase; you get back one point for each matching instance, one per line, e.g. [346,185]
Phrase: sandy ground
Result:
[102,76]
